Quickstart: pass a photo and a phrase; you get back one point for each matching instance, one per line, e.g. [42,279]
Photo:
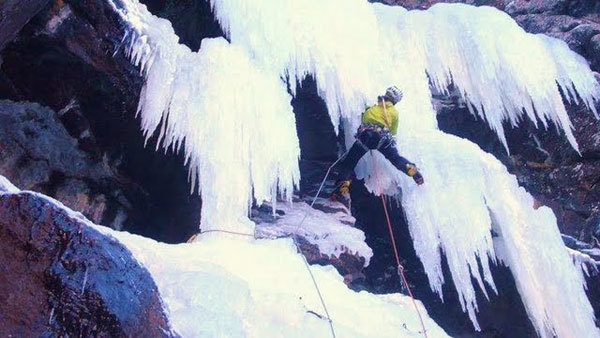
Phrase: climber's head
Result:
[393,95]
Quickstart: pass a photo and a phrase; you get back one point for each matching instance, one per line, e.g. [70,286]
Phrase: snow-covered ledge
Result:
[233,287]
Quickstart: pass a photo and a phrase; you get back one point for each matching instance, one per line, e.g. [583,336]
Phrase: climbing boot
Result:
[345,187]
[341,192]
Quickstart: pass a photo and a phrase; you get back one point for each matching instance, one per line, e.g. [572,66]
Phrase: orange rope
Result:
[227,232]
[401,273]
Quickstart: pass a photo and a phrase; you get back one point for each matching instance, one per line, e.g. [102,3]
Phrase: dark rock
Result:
[265,214]
[537,7]
[593,292]
[553,25]
[425,4]
[575,244]
[594,224]
[348,265]
[568,183]
[318,139]
[587,8]
[584,32]
[60,277]
[192,20]
[14,14]
[70,58]
[577,8]
[36,153]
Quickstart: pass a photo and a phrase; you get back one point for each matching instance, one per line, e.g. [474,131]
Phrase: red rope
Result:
[227,232]
[401,273]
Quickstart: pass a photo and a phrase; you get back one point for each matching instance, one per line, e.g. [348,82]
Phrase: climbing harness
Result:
[371,126]
[385,137]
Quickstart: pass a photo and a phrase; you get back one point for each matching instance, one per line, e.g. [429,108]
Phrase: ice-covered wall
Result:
[228,106]
[231,117]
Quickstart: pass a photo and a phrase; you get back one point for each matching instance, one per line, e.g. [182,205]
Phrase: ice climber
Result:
[377,130]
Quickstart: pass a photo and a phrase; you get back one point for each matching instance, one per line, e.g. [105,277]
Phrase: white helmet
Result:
[393,94]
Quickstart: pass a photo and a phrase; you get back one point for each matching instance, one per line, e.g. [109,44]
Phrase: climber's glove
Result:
[412,171]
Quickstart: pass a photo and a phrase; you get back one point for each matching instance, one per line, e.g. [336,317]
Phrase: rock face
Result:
[38,154]
[424,4]
[15,15]
[62,278]
[69,58]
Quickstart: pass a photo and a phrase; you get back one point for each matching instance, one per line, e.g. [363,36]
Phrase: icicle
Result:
[227,111]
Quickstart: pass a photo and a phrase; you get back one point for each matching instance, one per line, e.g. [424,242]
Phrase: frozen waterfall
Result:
[227,106]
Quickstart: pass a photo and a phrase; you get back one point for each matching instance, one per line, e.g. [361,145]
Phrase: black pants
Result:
[368,140]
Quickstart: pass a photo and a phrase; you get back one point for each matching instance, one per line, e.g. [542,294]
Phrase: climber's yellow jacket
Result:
[387,117]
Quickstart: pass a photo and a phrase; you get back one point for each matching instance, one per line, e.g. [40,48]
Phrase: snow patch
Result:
[327,231]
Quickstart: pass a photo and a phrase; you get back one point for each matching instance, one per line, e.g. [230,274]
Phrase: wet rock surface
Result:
[62,278]
[349,265]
